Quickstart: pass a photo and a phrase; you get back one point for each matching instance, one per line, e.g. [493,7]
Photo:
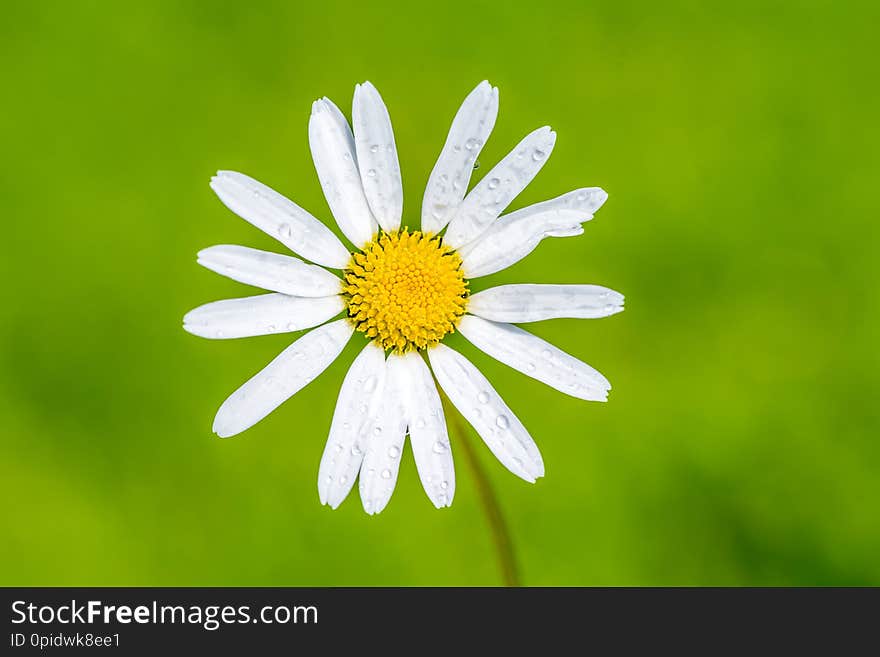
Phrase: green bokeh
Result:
[739,144]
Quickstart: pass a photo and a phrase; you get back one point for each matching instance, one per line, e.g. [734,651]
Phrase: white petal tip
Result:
[223,432]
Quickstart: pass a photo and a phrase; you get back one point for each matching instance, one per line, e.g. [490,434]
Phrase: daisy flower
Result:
[405,290]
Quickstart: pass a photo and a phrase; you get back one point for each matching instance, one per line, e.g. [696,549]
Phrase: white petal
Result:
[280,218]
[515,235]
[377,156]
[261,315]
[333,152]
[427,432]
[534,303]
[386,434]
[536,358]
[289,373]
[478,402]
[451,176]
[499,187]
[356,411]
[270,271]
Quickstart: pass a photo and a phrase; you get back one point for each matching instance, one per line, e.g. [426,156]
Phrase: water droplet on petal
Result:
[284,230]
[546,353]
[386,474]
[502,422]
[393,452]
[537,155]
[374,148]
[472,143]
[338,448]
[377,430]
[439,448]
[371,173]
[493,184]
[355,450]
[483,397]
[444,485]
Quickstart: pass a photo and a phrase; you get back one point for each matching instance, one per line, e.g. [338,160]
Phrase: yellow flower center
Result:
[405,290]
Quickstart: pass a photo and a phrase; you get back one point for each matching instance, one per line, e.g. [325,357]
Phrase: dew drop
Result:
[356,450]
[284,230]
[531,367]
[374,148]
[483,397]
[546,353]
[343,480]
[377,431]
[444,485]
[472,143]
[363,408]
[493,184]
[476,164]
[502,422]
[271,328]
[537,155]
[371,173]
[441,498]
[292,326]
[393,452]
[220,334]
[346,425]
[338,448]
[386,474]
[439,448]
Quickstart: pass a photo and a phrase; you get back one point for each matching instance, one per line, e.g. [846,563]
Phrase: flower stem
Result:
[488,499]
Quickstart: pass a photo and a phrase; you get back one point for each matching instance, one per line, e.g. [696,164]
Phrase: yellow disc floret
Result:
[405,290]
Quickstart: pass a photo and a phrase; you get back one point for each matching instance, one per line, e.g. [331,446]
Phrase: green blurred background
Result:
[739,144]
